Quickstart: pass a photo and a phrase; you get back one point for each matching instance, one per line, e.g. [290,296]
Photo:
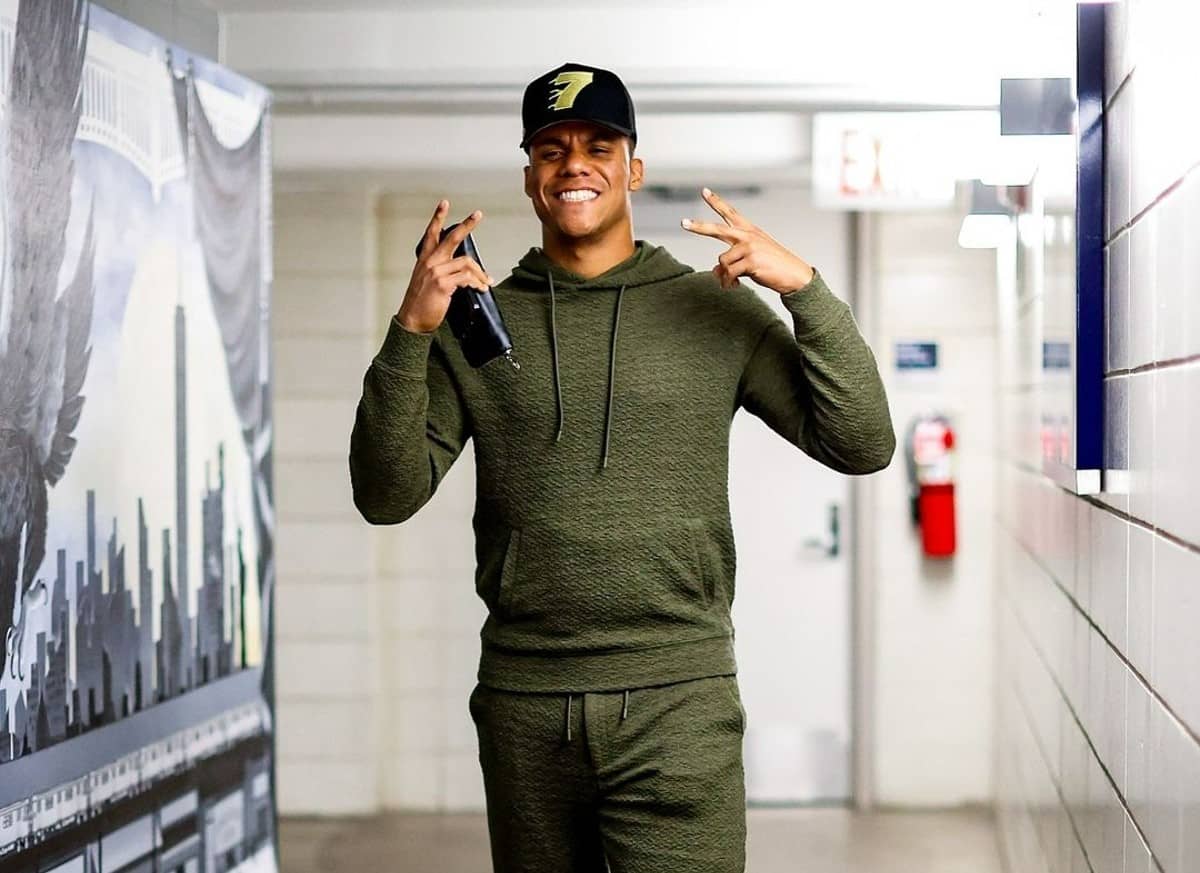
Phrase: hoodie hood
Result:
[648,264]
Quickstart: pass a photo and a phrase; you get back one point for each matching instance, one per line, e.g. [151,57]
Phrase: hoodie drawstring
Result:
[612,370]
[557,381]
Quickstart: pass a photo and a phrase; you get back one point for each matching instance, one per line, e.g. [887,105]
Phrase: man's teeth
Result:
[577,195]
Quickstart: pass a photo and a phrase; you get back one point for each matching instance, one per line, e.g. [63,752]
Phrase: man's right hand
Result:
[436,274]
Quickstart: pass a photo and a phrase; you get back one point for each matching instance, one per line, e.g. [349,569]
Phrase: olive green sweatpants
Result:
[649,780]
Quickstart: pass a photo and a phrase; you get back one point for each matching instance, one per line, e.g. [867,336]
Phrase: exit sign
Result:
[898,160]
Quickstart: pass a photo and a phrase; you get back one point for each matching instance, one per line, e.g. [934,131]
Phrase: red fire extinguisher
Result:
[930,458]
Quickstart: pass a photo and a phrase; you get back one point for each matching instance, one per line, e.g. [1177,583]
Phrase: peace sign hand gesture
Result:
[753,252]
[437,273]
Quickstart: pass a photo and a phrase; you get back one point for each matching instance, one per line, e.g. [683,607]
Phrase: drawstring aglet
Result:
[625,705]
[568,718]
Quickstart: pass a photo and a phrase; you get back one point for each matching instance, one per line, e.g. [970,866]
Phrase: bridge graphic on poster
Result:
[128,106]
[80,779]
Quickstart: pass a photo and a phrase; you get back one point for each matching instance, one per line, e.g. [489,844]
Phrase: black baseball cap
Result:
[577,92]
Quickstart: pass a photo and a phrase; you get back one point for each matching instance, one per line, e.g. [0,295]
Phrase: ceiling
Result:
[417,5]
[401,84]
[942,46]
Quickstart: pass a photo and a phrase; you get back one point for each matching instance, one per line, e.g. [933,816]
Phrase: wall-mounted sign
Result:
[898,160]
[1056,355]
[916,356]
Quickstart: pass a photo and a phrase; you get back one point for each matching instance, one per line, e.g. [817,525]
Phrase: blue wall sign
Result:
[916,356]
[1056,355]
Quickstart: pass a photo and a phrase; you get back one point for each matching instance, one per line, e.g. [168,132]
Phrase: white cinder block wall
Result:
[378,627]
[329,637]
[427,565]
[1098,762]
[933,645]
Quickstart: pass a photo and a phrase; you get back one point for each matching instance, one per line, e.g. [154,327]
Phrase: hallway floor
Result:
[800,840]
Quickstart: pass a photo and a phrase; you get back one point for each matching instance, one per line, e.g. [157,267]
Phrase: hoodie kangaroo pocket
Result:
[495,552]
[575,584]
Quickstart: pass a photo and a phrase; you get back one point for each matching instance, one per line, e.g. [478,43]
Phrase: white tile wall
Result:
[1116,435]
[1174,332]
[1142,421]
[1143,271]
[1125,694]
[1176,474]
[1175,644]
[1140,628]
[1116,182]
[1117,303]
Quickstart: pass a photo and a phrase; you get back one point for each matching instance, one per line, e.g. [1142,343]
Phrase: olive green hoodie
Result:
[604,549]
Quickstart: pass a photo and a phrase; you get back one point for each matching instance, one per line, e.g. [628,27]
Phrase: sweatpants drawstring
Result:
[624,712]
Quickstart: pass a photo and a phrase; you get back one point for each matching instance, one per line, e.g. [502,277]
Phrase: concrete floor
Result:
[802,840]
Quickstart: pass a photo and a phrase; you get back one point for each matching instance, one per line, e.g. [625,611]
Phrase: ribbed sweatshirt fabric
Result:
[603,543]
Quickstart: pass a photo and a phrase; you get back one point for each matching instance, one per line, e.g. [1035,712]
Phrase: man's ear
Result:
[636,170]
[528,193]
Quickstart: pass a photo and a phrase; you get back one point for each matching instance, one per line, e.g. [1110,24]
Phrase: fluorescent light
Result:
[987,231]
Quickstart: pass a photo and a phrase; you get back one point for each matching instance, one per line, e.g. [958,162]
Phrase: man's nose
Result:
[575,161]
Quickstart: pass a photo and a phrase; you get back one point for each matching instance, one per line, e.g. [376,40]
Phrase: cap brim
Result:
[624,131]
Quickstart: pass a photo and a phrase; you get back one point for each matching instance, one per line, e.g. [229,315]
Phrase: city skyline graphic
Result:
[103,661]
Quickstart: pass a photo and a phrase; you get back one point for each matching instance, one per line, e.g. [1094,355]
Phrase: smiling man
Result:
[581,117]
[607,708]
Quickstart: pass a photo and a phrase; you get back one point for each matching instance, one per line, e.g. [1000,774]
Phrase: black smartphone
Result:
[474,315]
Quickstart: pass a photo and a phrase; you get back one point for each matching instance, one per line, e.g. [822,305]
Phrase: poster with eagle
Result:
[136,501]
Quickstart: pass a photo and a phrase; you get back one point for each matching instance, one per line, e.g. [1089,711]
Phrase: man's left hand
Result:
[752,251]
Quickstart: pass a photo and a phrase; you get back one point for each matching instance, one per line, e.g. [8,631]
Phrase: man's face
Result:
[582,157]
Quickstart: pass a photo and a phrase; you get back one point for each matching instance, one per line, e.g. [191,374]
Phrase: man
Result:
[609,720]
